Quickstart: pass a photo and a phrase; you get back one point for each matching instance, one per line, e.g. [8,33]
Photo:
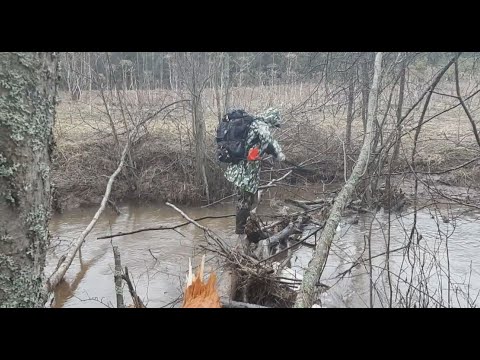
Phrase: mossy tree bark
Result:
[28,88]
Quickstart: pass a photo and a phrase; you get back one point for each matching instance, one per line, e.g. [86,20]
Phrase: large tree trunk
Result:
[306,296]
[28,87]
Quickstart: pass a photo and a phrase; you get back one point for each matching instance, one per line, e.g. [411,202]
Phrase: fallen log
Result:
[118,278]
[311,202]
[298,203]
[282,235]
[292,228]
[246,280]
[137,302]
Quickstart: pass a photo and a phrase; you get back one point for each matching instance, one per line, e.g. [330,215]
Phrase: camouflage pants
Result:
[245,201]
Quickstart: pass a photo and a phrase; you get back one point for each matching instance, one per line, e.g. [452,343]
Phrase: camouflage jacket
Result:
[246,174]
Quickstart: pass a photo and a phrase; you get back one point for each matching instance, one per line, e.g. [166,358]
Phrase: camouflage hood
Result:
[271,116]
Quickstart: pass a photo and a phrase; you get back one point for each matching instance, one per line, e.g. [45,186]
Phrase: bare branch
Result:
[162,227]
[58,275]
[467,112]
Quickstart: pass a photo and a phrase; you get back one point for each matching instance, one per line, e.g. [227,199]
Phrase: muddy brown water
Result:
[158,260]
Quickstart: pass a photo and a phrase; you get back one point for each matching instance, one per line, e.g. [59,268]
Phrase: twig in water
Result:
[270,184]
[162,227]
[207,231]
[152,255]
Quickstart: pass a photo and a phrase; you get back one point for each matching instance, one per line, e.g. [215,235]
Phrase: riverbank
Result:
[161,165]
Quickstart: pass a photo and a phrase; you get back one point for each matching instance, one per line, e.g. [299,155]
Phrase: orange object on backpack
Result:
[253,154]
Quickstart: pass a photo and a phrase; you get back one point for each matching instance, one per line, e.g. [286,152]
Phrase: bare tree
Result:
[351,99]
[195,76]
[365,89]
[465,107]
[401,92]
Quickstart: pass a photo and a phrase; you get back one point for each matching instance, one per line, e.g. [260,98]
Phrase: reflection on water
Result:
[158,260]
[429,285]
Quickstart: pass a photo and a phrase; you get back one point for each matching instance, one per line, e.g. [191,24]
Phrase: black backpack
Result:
[232,136]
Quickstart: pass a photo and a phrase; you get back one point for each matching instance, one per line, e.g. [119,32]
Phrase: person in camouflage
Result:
[245,175]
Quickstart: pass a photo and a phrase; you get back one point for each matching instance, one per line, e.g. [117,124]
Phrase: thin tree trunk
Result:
[370,269]
[306,295]
[74,84]
[217,76]
[401,93]
[351,98]
[391,161]
[67,66]
[226,105]
[387,260]
[199,128]
[414,153]
[28,90]
[327,63]
[152,85]
[365,92]
[110,119]
[137,67]
[170,77]
[161,70]
[465,108]
[90,81]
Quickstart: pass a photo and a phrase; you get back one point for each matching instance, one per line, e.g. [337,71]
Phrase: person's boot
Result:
[244,244]
[241,220]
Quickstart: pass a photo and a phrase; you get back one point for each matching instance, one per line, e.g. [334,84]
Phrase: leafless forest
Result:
[383,143]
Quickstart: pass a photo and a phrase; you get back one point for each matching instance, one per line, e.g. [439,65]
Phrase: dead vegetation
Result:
[163,157]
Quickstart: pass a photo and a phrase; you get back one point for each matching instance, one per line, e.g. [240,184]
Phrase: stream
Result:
[158,260]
